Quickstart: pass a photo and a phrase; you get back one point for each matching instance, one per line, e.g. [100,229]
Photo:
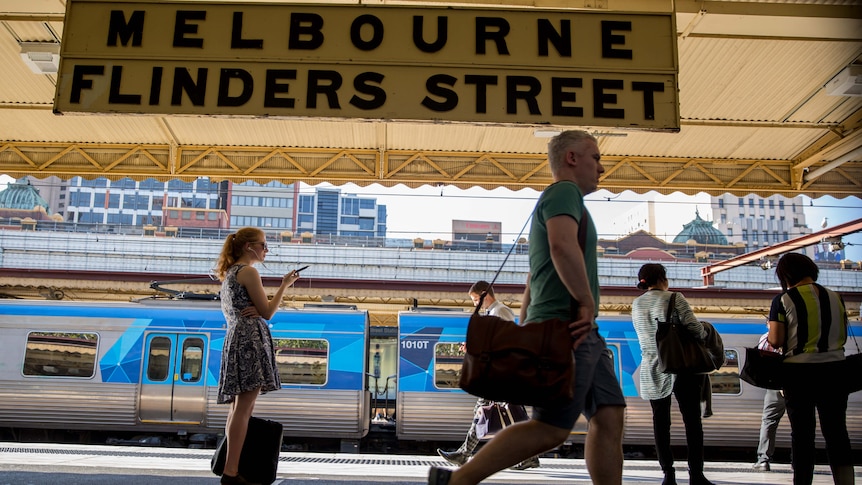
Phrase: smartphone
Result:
[300,269]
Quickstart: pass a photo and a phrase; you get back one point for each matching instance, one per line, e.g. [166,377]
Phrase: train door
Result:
[173,381]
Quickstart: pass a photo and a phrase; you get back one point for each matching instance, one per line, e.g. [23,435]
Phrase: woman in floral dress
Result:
[248,361]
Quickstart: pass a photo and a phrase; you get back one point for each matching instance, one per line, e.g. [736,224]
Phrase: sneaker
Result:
[453,457]
[761,466]
[528,463]
[439,476]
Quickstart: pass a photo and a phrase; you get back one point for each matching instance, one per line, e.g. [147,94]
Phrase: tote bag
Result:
[763,368]
[679,352]
[258,461]
[496,416]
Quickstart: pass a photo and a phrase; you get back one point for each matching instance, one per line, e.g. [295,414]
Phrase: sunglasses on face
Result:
[263,244]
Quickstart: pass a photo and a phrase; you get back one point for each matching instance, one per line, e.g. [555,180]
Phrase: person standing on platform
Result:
[495,308]
[563,275]
[773,410]
[657,386]
[809,323]
[248,365]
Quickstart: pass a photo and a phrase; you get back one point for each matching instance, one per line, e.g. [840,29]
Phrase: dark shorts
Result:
[596,385]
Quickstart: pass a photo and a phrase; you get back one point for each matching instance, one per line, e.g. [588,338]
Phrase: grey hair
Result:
[560,145]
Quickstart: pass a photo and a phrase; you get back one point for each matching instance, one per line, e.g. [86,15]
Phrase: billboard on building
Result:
[482,231]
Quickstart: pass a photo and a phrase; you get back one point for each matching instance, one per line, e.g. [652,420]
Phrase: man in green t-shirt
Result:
[563,283]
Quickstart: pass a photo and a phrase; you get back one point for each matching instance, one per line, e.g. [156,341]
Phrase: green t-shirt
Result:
[549,298]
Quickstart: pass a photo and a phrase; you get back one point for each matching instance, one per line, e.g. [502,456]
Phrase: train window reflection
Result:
[447,365]
[159,359]
[192,363]
[302,361]
[60,354]
[726,379]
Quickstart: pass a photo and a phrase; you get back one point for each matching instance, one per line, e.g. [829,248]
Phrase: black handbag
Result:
[258,461]
[496,416]
[679,352]
[763,368]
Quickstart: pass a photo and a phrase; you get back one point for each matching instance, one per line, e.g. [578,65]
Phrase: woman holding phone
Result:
[248,359]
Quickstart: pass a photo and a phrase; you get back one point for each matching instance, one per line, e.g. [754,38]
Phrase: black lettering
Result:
[79,83]
[609,39]
[361,85]
[600,98]
[481,83]
[376,32]
[513,94]
[498,36]
[114,96]
[119,29]
[561,39]
[156,86]
[560,96]
[224,82]
[434,85]
[236,40]
[649,98]
[274,87]
[196,90]
[419,37]
[181,28]
[326,83]
[305,31]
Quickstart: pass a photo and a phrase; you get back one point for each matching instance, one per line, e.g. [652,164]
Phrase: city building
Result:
[268,206]
[21,201]
[328,212]
[758,222]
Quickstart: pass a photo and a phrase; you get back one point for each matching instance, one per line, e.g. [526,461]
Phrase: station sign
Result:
[441,64]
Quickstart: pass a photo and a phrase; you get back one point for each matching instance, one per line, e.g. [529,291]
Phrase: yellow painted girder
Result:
[415,168]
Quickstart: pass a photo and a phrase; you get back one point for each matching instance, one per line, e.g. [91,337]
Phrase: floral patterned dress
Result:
[248,359]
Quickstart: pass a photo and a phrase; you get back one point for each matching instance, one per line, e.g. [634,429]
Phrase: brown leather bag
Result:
[531,364]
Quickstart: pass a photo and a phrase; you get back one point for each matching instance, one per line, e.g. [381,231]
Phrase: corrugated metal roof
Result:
[744,98]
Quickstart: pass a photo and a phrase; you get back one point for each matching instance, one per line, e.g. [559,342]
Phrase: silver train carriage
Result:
[154,368]
[431,406]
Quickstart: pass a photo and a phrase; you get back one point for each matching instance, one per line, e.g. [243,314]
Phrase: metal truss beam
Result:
[419,167]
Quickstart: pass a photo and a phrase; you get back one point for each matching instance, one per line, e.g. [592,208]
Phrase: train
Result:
[128,371]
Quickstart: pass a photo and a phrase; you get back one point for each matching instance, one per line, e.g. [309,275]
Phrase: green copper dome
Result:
[701,231]
[22,195]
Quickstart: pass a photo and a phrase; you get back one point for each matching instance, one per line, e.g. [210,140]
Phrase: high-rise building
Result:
[759,222]
[127,202]
[329,212]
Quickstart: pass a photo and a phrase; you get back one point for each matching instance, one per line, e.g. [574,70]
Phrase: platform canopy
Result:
[768,101]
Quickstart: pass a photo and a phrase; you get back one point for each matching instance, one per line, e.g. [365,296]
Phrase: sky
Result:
[427,211]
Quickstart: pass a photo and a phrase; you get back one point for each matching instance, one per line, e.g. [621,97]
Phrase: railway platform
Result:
[44,463]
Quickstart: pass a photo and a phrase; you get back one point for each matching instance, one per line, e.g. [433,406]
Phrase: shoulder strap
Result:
[670,306]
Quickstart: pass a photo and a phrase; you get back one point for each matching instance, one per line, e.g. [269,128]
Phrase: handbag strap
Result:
[582,242]
[671,305]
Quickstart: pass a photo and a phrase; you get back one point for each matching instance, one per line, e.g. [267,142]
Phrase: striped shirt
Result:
[652,305]
[815,322]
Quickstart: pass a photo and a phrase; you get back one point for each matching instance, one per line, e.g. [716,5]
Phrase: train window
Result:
[61,354]
[726,379]
[302,361]
[447,364]
[159,359]
[192,363]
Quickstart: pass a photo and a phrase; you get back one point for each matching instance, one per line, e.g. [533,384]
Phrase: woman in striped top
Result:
[810,323]
[657,386]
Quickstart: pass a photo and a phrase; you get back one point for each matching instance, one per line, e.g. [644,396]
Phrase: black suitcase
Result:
[258,461]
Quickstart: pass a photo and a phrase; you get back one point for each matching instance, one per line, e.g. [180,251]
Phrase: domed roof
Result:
[22,195]
[701,231]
